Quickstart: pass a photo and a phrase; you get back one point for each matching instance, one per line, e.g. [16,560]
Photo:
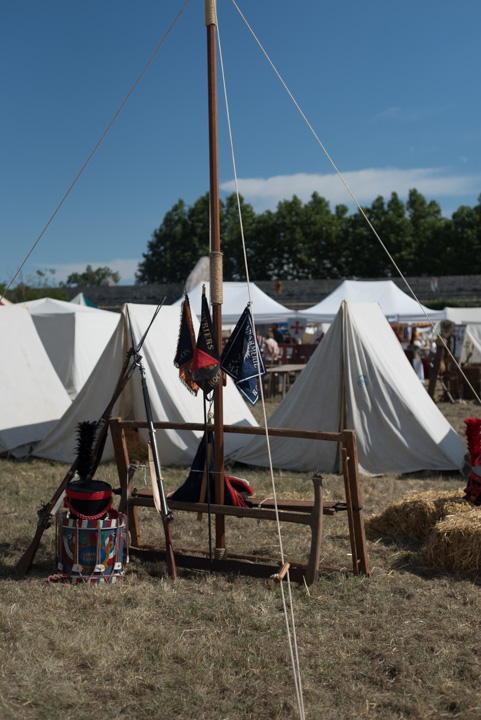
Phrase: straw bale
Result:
[413,517]
[455,543]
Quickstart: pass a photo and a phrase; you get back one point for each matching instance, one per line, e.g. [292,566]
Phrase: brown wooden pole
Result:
[434,371]
[350,519]
[239,430]
[349,442]
[316,532]
[210,21]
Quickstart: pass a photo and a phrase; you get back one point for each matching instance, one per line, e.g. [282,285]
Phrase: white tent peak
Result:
[82,299]
[396,305]
[48,306]
[471,317]
[399,428]
[170,399]
[236,296]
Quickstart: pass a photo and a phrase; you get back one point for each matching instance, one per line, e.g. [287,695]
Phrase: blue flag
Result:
[193,490]
[240,359]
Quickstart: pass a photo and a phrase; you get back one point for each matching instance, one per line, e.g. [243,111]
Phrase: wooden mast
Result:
[215,262]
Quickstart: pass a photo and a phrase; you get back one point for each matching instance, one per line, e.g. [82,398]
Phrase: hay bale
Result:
[455,543]
[413,517]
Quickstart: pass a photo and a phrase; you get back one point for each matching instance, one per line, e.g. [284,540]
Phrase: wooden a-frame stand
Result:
[302,512]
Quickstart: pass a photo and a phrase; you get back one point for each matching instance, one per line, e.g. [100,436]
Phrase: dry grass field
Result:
[402,644]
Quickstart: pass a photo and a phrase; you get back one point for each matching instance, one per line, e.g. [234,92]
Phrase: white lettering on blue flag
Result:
[241,358]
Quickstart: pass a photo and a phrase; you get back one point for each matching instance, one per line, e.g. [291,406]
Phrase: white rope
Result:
[346,185]
[93,151]
[289,617]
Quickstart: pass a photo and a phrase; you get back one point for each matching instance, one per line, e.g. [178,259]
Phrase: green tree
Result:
[231,236]
[367,257]
[39,285]
[197,240]
[265,239]
[289,257]
[397,237]
[463,243]
[309,241]
[287,242]
[428,229]
[324,233]
[165,249]
[183,238]
[92,277]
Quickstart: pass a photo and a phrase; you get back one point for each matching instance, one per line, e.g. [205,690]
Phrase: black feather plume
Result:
[86,432]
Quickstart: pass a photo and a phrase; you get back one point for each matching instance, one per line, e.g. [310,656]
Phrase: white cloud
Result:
[365,185]
[390,112]
[410,115]
[125,267]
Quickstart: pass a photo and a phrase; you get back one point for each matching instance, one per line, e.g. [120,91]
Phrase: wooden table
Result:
[285,372]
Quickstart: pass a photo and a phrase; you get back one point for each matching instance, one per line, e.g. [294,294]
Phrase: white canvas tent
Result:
[396,305]
[398,427]
[265,309]
[33,398]
[170,399]
[471,317]
[74,337]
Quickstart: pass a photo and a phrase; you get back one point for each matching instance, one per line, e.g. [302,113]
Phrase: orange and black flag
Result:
[186,348]
[206,370]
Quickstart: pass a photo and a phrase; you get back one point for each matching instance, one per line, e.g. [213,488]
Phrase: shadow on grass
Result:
[10,554]
[415,563]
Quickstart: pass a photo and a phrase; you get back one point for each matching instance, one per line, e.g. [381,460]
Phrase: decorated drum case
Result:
[90,550]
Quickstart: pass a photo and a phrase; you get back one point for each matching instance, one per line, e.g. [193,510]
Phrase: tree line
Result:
[304,241]
[43,284]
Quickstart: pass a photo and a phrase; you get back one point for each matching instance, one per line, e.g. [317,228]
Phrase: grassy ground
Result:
[402,644]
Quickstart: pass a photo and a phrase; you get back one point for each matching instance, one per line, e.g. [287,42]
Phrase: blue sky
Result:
[390,89]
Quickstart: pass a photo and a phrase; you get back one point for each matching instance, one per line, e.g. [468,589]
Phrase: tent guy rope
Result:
[96,147]
[355,200]
[288,612]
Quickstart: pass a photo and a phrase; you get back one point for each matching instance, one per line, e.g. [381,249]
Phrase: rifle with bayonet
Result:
[47,510]
[165,513]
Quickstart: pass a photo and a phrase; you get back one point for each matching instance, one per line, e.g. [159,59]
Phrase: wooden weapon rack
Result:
[305,512]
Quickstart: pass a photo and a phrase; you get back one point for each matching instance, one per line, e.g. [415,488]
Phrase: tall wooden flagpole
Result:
[216,278]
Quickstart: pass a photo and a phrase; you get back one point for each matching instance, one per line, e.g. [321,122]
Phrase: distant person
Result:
[271,349]
[261,341]
[278,336]
[415,347]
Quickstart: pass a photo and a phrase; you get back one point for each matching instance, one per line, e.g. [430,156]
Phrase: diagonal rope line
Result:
[361,210]
[289,617]
[102,137]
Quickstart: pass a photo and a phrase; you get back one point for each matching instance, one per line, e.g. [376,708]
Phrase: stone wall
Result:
[113,297]
[299,294]
[295,294]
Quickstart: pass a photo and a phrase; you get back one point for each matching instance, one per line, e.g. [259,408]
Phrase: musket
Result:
[46,511]
[165,512]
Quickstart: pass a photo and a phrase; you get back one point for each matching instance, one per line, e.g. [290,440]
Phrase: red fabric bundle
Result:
[237,488]
[473,439]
